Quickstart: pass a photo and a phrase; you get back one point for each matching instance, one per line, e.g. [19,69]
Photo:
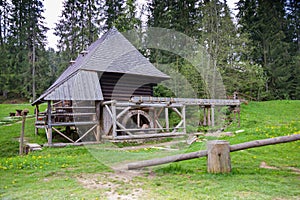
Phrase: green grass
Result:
[85,173]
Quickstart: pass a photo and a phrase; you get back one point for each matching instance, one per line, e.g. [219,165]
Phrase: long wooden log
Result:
[168,159]
[264,142]
[203,153]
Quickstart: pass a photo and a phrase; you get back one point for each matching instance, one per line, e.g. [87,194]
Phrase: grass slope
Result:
[75,173]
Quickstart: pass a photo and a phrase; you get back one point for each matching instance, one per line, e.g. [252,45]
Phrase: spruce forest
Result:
[257,51]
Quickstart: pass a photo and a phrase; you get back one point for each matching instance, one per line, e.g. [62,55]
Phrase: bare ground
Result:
[119,184]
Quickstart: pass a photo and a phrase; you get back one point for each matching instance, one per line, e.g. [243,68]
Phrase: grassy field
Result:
[271,172]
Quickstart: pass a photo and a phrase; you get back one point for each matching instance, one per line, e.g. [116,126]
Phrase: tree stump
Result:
[218,156]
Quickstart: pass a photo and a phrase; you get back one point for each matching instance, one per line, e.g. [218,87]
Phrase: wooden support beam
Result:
[183,118]
[60,133]
[98,116]
[123,112]
[85,133]
[208,116]
[167,118]
[21,145]
[212,115]
[114,119]
[123,127]
[178,113]
[36,131]
[49,123]
[204,116]
[159,125]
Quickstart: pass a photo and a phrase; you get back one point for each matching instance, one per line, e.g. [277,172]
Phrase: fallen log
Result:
[203,153]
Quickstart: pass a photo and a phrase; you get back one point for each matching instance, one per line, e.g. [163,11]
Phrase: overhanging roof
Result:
[111,53]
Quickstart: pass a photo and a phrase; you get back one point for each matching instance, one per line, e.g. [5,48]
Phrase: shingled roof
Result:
[111,53]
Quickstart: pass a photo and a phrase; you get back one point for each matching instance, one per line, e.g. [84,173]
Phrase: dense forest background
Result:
[257,51]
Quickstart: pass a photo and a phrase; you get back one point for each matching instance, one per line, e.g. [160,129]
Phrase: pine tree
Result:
[26,45]
[78,27]
[128,19]
[266,24]
[113,10]
[5,9]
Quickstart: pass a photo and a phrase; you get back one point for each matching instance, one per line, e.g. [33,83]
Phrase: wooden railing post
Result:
[218,156]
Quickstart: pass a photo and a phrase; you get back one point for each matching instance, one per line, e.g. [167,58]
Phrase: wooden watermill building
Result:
[107,93]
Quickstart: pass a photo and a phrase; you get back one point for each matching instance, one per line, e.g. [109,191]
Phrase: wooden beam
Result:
[167,118]
[85,133]
[123,112]
[60,133]
[204,116]
[49,124]
[36,131]
[114,119]
[178,113]
[159,125]
[123,127]
[208,116]
[184,118]
[98,116]
[212,115]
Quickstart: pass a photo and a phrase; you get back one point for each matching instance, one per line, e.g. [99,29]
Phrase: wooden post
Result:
[183,118]
[21,147]
[98,118]
[49,124]
[218,156]
[114,119]
[212,115]
[167,118]
[208,116]
[204,116]
[36,118]
[239,116]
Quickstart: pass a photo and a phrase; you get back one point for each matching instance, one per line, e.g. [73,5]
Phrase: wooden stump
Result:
[218,156]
